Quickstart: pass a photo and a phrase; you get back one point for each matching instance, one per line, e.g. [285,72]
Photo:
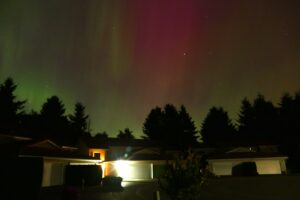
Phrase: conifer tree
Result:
[11,109]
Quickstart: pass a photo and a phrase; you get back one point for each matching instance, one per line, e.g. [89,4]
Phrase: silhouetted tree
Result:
[10,108]
[246,119]
[187,126]
[170,126]
[217,128]
[126,134]
[258,121]
[289,112]
[266,119]
[55,123]
[78,121]
[31,125]
[101,136]
[53,108]
[154,124]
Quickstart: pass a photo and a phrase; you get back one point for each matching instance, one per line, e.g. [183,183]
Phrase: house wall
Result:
[133,170]
[54,169]
[264,166]
[102,152]
[222,168]
[53,173]
[268,166]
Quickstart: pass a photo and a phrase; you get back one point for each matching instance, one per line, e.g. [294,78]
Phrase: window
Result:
[97,155]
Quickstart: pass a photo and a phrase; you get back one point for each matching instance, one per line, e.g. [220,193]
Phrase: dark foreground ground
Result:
[132,191]
[226,188]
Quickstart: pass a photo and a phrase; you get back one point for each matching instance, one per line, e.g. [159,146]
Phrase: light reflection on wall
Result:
[129,170]
[122,167]
[100,152]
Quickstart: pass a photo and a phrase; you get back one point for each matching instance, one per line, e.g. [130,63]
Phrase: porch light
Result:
[122,168]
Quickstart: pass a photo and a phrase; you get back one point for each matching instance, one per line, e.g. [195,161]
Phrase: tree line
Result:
[258,120]
[51,122]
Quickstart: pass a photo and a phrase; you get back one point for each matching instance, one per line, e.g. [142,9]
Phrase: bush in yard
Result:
[21,178]
[77,175]
[183,179]
[92,175]
[245,169]
[112,184]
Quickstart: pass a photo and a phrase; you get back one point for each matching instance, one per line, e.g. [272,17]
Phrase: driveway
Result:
[132,190]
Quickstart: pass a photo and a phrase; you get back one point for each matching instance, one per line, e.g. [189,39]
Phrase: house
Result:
[142,165]
[222,164]
[137,159]
[132,159]
[146,160]
[55,159]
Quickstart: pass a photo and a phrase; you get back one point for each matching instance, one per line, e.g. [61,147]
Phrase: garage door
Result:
[129,170]
[136,172]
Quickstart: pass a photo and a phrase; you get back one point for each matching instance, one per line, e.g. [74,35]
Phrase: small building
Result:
[55,159]
[142,165]
[132,159]
[266,163]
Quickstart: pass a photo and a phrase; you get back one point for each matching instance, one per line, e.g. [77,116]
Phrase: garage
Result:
[133,170]
[264,165]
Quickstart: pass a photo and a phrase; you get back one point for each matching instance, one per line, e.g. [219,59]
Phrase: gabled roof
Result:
[45,144]
[240,155]
[12,138]
[115,142]
[244,143]
[146,154]
[138,143]
[48,148]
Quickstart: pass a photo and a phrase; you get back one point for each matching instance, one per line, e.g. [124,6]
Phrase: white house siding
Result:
[222,168]
[137,172]
[264,166]
[268,166]
[53,173]
[54,169]
[133,170]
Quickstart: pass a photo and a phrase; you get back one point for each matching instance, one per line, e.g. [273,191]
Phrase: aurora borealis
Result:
[121,58]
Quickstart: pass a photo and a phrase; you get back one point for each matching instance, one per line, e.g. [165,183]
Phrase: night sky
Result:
[121,58]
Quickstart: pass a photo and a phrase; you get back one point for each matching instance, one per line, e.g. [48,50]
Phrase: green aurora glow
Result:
[123,58]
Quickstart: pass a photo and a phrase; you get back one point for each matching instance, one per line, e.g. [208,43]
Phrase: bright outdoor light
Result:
[122,168]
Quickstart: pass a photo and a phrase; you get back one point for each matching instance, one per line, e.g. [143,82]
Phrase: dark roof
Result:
[150,157]
[47,148]
[243,155]
[16,145]
[36,151]
[244,143]
[142,154]
[5,139]
[115,142]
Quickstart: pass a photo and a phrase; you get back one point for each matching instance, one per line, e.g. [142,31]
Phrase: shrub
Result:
[245,169]
[21,178]
[77,175]
[184,178]
[112,183]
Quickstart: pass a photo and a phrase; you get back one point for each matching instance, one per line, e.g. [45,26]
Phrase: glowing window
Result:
[97,155]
